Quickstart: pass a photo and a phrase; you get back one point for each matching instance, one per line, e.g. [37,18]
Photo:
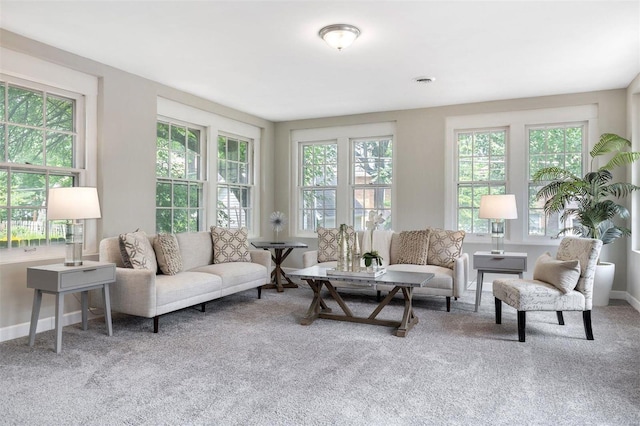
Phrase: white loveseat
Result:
[448,282]
[144,293]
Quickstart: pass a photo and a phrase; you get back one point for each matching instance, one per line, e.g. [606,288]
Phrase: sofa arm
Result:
[460,274]
[309,258]
[262,257]
[133,292]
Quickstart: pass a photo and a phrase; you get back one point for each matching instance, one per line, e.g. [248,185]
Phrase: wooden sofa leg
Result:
[586,318]
[560,317]
[522,322]
[260,292]
[448,304]
[498,303]
[202,307]
[378,296]
[155,323]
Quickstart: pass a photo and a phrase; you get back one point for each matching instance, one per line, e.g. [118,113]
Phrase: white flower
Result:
[277,220]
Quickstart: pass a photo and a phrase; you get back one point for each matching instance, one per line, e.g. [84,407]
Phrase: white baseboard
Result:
[44,324]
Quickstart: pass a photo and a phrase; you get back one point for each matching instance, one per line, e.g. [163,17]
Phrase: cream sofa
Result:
[144,293]
[446,282]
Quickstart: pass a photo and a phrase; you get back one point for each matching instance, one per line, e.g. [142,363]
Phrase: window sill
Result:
[41,254]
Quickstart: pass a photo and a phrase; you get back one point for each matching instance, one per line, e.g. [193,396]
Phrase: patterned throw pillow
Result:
[137,252]
[328,243]
[168,253]
[230,245]
[414,246]
[444,247]
[562,274]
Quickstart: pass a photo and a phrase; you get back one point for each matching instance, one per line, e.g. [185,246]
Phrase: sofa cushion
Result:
[196,249]
[230,245]
[444,247]
[562,274]
[177,289]
[443,277]
[167,253]
[534,295]
[414,246]
[137,252]
[328,243]
[235,273]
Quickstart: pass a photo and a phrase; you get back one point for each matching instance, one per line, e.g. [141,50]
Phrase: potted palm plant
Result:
[589,201]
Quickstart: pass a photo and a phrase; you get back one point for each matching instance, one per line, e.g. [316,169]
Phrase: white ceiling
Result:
[266,58]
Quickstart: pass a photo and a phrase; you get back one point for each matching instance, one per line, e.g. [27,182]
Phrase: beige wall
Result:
[126,165]
[420,162]
[633,245]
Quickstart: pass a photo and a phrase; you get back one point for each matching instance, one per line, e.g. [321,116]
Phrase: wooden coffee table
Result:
[405,282]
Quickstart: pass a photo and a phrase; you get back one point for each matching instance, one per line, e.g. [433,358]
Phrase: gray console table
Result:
[60,280]
[506,263]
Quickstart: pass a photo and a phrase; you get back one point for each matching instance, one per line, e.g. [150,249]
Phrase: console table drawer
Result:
[500,263]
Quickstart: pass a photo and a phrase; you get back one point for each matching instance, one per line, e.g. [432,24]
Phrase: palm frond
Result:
[622,189]
[609,142]
[621,159]
[553,173]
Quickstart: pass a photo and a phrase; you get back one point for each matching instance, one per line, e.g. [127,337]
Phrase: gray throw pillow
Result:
[168,253]
[414,247]
[444,247]
[230,244]
[137,252]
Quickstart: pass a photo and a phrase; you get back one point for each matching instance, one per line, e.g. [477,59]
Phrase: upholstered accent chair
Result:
[548,290]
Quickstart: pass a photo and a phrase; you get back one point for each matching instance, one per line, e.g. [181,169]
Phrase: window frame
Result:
[302,188]
[516,230]
[186,180]
[343,135]
[36,74]
[214,125]
[250,185]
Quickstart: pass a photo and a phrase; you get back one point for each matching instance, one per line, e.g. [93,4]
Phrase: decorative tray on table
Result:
[362,273]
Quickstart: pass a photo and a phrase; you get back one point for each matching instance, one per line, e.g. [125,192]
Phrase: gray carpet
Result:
[249,362]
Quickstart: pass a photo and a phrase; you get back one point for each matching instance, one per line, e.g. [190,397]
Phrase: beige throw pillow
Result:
[562,274]
[230,245]
[444,247]
[414,247]
[328,243]
[168,253]
[137,252]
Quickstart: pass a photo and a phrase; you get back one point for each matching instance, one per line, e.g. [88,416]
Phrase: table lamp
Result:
[73,204]
[498,208]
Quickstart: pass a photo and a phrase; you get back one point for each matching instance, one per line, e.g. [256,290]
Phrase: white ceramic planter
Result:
[602,283]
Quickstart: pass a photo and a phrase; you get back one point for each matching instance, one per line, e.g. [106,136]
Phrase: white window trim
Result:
[517,123]
[38,71]
[214,125]
[343,135]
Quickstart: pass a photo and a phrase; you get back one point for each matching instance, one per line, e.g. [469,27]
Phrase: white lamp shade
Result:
[73,203]
[498,207]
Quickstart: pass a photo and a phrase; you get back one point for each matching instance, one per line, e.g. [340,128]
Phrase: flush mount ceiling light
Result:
[339,36]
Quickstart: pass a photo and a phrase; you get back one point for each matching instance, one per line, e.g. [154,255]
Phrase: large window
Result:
[39,150]
[551,146]
[319,174]
[235,182]
[481,170]
[179,171]
[343,175]
[372,176]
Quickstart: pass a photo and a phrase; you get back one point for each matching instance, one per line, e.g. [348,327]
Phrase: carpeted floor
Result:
[249,362]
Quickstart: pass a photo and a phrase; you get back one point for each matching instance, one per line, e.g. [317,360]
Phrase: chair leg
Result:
[522,322]
[448,304]
[202,307]
[498,311]
[260,292]
[560,317]
[155,323]
[586,318]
